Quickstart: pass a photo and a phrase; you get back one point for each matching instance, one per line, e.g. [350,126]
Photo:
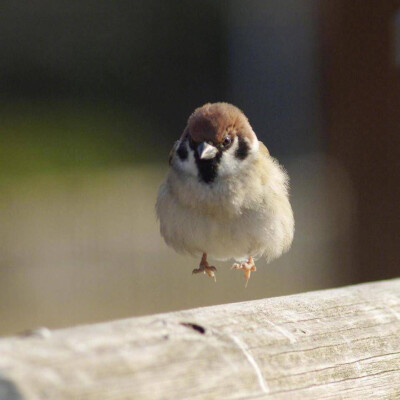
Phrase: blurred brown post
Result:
[362,109]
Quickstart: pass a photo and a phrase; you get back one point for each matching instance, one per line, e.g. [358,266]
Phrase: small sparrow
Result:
[224,196]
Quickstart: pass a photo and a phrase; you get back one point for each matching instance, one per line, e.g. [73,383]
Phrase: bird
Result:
[224,197]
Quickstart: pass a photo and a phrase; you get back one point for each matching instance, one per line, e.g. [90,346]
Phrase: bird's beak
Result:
[206,151]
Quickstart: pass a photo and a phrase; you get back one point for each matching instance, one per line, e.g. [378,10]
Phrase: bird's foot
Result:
[248,267]
[205,268]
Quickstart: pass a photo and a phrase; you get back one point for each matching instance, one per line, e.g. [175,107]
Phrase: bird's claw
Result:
[248,267]
[206,269]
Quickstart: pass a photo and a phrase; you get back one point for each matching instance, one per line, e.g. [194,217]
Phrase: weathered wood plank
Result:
[342,343]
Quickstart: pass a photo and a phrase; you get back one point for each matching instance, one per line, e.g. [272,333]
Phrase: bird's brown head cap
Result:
[213,121]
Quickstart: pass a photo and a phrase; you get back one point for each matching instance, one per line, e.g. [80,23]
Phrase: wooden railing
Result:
[341,343]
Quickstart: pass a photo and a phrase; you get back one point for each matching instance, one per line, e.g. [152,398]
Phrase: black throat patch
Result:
[208,169]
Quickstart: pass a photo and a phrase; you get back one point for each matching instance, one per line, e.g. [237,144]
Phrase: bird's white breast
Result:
[235,217]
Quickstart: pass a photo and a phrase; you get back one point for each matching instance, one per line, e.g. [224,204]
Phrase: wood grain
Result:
[341,343]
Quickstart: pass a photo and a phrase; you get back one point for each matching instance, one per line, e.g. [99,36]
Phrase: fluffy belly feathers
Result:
[251,233]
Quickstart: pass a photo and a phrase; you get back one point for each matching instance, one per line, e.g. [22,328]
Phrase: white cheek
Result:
[255,146]
[229,164]
[187,166]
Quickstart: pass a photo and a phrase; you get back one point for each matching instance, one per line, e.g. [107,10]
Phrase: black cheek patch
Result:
[182,151]
[243,150]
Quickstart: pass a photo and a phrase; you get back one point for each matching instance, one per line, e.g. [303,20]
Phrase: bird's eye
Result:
[227,141]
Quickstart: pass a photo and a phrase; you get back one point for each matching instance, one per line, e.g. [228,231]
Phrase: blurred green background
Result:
[92,97]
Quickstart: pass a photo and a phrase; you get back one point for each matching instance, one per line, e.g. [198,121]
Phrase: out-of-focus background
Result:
[92,97]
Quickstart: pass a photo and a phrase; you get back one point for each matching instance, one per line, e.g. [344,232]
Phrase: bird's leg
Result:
[205,268]
[248,267]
